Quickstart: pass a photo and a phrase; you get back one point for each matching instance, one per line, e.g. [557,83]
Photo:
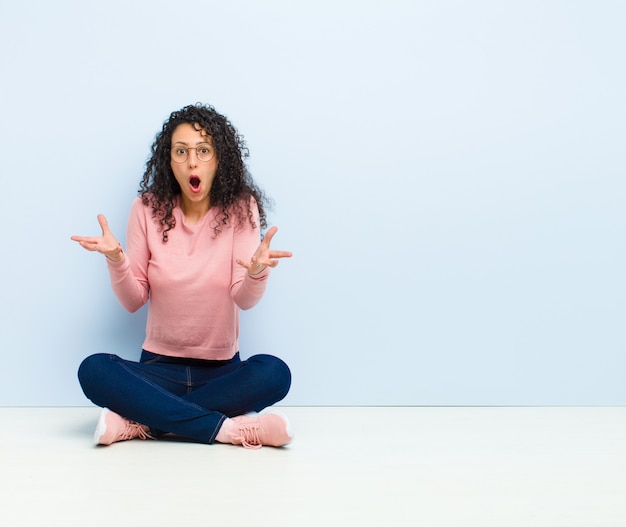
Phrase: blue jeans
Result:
[190,398]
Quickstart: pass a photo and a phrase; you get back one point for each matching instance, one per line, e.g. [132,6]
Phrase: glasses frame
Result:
[187,148]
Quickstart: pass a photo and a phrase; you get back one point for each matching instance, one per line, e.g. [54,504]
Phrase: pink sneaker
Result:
[271,429]
[113,427]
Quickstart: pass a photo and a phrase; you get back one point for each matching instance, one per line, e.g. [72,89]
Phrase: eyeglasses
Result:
[204,152]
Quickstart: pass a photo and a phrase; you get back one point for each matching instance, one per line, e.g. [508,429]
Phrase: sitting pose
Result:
[194,251]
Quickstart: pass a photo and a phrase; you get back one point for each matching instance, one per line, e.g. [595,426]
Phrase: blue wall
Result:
[450,176]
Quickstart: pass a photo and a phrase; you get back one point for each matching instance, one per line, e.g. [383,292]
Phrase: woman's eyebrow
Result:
[206,141]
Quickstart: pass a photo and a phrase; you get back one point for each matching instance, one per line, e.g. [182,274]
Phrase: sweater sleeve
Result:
[129,277]
[247,290]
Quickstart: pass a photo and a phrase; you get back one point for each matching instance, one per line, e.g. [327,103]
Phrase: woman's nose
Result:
[192,158]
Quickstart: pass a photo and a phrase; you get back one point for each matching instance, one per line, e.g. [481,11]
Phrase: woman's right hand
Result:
[106,244]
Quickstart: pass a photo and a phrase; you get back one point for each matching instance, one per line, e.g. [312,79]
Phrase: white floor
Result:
[397,466]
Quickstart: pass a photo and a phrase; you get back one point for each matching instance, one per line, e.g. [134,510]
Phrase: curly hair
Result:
[232,188]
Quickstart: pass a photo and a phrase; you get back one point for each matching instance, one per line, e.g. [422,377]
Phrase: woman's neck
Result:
[194,211]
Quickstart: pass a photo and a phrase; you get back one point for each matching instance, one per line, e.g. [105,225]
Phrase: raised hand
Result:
[106,244]
[264,257]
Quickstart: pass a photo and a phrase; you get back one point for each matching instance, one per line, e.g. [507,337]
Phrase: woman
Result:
[193,252]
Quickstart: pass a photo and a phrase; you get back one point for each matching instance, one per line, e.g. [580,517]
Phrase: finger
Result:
[89,246]
[280,254]
[104,224]
[243,264]
[87,239]
[267,239]
[272,258]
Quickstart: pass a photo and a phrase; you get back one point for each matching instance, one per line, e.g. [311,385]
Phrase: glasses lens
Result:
[179,155]
[205,153]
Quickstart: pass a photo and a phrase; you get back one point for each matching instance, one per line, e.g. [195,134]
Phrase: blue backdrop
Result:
[449,176]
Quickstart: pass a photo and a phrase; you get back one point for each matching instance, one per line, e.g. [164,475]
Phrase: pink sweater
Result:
[194,285]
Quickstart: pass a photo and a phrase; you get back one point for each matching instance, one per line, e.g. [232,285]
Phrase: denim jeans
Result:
[190,398]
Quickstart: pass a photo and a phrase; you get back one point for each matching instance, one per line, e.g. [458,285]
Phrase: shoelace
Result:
[133,430]
[250,436]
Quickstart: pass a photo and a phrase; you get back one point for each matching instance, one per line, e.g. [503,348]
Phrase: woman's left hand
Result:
[264,257]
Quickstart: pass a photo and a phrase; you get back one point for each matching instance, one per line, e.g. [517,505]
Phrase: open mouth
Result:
[194,181]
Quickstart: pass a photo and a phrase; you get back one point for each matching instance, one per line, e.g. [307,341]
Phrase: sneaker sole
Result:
[101,427]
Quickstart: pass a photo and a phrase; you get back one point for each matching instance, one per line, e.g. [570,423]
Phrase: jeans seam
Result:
[189,381]
[217,428]
[159,388]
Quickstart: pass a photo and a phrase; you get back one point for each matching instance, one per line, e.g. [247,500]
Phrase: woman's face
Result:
[191,147]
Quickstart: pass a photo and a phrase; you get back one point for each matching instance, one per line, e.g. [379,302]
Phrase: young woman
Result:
[193,251]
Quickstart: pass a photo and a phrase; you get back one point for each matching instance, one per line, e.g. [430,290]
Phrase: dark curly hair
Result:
[232,188]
